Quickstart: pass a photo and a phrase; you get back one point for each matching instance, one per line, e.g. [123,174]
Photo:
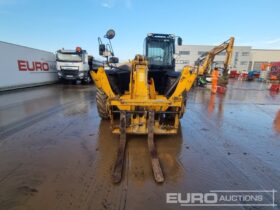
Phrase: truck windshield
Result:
[73,57]
[160,52]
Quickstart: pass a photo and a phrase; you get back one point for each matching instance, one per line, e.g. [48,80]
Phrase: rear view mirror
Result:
[179,41]
[102,49]
[113,60]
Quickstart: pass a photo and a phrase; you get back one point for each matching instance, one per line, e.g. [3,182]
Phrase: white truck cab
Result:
[73,64]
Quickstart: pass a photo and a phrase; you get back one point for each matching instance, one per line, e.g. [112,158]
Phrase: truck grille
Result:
[70,72]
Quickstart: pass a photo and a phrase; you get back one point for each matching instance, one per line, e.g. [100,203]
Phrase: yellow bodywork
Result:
[142,97]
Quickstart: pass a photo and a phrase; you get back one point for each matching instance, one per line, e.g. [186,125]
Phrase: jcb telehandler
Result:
[147,97]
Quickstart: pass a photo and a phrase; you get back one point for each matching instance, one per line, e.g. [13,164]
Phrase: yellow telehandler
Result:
[146,97]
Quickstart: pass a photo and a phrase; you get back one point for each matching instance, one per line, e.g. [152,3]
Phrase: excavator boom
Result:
[206,60]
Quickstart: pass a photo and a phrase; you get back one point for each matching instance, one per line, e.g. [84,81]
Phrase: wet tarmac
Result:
[56,153]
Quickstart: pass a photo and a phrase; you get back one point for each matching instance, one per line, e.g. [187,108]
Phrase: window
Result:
[245,53]
[219,62]
[250,65]
[243,63]
[222,53]
[235,59]
[182,62]
[257,65]
[201,52]
[160,53]
[71,57]
[184,52]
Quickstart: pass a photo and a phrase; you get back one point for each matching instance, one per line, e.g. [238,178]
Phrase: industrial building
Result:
[243,57]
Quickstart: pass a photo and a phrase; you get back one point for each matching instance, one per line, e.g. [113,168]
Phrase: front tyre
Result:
[101,102]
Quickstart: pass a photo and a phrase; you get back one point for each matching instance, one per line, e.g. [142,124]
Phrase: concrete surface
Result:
[55,152]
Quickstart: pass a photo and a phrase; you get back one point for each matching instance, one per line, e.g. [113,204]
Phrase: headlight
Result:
[81,74]
[59,73]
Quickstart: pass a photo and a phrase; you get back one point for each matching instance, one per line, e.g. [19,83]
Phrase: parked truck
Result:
[73,65]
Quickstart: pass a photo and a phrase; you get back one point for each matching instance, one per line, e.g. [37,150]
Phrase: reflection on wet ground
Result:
[277,122]
[57,154]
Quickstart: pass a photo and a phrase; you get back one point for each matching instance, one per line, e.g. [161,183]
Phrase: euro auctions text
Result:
[224,198]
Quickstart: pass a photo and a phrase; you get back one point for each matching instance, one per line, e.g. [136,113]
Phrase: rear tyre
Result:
[101,101]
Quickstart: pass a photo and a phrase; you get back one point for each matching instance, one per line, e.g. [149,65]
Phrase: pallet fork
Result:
[118,168]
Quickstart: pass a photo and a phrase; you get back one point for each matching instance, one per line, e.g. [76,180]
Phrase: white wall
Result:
[18,67]
[259,56]
[239,60]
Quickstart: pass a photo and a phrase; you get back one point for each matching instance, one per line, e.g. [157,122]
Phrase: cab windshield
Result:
[73,57]
[160,52]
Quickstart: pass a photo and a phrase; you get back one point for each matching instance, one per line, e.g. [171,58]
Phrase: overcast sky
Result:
[53,24]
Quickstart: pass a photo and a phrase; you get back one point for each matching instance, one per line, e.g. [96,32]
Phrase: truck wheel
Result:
[86,81]
[75,82]
[101,99]
[62,81]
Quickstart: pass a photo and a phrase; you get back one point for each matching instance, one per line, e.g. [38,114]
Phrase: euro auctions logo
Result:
[32,66]
[192,198]
[224,198]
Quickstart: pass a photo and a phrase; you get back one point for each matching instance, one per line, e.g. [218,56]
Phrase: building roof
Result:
[26,47]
